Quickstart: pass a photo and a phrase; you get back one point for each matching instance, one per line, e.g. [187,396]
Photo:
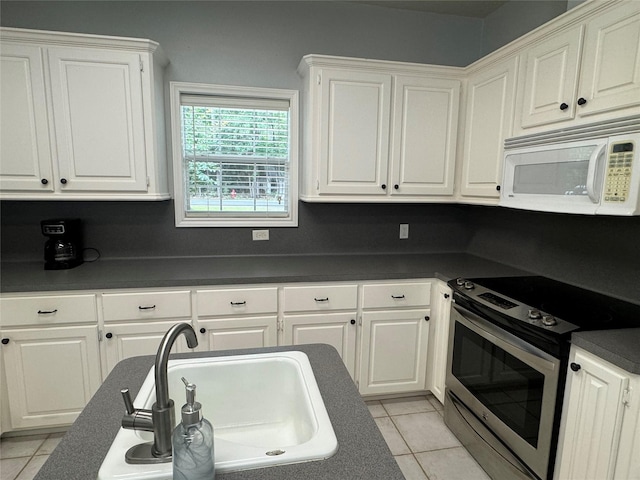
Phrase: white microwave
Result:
[596,176]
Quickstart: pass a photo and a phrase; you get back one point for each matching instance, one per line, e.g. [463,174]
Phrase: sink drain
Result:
[273,453]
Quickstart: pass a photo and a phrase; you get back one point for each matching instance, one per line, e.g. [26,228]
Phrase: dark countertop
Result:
[229,270]
[620,347]
[362,451]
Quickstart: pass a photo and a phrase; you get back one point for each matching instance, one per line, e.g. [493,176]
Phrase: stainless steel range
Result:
[508,357]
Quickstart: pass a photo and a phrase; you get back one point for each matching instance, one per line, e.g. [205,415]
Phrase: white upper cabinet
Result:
[354,121]
[82,116]
[378,130]
[583,74]
[25,152]
[490,103]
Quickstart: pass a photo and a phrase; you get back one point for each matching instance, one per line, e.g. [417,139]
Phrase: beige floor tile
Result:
[50,444]
[402,406]
[410,467]
[26,446]
[11,467]
[425,431]
[32,467]
[451,464]
[376,409]
[390,433]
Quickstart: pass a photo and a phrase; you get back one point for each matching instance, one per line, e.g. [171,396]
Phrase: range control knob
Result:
[535,314]
[549,320]
[460,281]
[469,286]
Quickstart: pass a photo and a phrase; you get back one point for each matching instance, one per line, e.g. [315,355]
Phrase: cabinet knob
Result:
[5,341]
[63,181]
[109,335]
[582,101]
[352,322]
[563,106]
[575,366]
[427,318]
[396,186]
[44,181]
[384,186]
[203,330]
[446,295]
[498,187]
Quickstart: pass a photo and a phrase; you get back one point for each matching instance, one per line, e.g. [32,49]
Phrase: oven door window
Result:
[509,388]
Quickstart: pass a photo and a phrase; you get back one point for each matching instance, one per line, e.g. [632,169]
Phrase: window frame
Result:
[177,90]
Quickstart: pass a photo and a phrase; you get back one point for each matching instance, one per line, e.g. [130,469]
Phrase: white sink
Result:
[266,410]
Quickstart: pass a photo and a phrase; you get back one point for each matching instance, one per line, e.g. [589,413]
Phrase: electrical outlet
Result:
[260,234]
[404,230]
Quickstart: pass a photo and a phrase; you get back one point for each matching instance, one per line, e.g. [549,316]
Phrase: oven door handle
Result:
[507,341]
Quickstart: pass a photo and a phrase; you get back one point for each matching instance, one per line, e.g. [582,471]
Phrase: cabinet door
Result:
[425,127]
[610,77]
[98,112]
[551,79]
[242,332]
[490,109]
[25,149]
[133,339]
[51,373]
[439,340]
[393,355]
[592,416]
[354,132]
[336,329]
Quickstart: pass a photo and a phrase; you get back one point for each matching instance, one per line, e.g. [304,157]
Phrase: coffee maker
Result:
[63,249]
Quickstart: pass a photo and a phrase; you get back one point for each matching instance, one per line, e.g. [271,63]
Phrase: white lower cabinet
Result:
[393,357]
[51,373]
[238,332]
[335,329]
[439,339]
[599,436]
[58,347]
[125,340]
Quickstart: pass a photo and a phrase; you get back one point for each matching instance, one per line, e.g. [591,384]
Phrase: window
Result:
[235,155]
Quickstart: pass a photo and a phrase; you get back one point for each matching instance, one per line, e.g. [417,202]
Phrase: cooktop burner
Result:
[583,308]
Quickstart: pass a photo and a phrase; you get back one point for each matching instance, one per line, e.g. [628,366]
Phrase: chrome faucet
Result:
[161,418]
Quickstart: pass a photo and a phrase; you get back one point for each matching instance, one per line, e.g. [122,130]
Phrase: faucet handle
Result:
[128,404]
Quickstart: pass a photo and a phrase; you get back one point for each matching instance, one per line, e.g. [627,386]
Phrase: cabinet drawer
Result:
[138,306]
[319,297]
[237,301]
[390,295]
[48,310]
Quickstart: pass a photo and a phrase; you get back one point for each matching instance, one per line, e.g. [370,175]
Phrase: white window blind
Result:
[236,154]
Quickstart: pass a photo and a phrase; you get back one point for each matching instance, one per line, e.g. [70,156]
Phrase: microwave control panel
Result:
[618,174]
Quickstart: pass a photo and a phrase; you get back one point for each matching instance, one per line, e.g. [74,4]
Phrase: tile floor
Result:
[22,457]
[421,443]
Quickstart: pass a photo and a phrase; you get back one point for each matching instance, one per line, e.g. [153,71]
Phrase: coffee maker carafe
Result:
[63,249]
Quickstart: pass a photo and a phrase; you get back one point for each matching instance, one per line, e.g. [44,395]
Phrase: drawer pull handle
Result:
[47,312]
[325,299]
[397,297]
[151,307]
[236,304]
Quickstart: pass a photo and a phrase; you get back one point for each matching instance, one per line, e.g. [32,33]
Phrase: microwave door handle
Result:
[593,190]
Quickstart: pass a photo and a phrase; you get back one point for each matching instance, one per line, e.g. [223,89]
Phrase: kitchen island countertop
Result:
[362,451]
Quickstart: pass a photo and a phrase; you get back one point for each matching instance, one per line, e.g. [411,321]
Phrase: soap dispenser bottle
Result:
[192,441]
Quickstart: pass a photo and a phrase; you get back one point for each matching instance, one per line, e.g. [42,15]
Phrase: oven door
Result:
[508,385]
